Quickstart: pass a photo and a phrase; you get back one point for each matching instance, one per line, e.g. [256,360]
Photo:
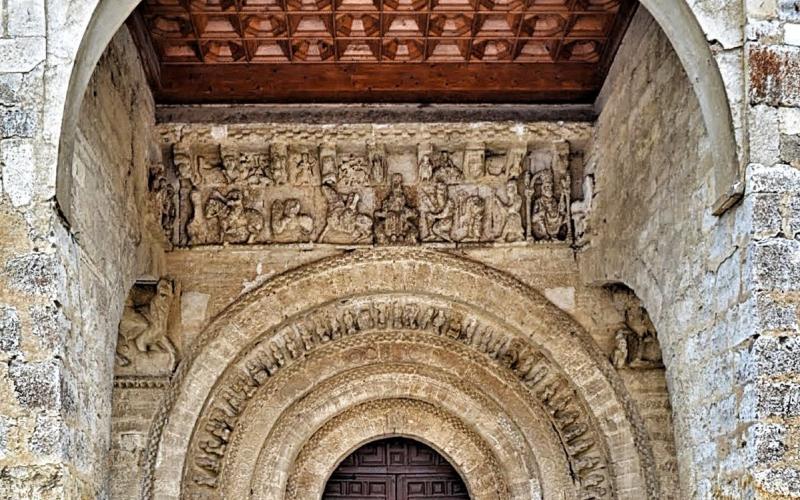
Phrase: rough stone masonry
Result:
[642,342]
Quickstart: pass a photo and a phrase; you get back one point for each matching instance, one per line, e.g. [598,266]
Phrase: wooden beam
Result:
[407,82]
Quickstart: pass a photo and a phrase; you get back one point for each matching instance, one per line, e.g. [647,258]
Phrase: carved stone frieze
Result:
[144,346]
[332,189]
[344,319]
[164,196]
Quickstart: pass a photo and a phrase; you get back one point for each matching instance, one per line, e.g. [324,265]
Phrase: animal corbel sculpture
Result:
[145,326]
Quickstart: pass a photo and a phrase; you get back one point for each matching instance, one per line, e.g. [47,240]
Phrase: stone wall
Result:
[218,268]
[119,237]
[58,353]
[753,42]
[700,276]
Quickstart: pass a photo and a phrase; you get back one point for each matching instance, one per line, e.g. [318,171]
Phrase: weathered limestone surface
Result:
[62,292]
[732,297]
[722,292]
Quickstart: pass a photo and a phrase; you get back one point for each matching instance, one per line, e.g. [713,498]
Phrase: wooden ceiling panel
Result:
[379,50]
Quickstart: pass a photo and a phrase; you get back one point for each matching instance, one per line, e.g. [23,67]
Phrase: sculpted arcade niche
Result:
[359,185]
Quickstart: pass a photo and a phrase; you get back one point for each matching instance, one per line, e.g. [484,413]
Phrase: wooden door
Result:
[395,469]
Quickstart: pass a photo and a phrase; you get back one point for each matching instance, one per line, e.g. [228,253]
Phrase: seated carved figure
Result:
[396,220]
[288,224]
[345,224]
[548,213]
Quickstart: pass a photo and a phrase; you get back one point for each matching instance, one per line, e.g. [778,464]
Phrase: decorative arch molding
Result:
[243,333]
[350,364]
[421,421]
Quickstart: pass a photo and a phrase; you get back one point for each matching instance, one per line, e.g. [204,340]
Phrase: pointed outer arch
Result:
[406,270]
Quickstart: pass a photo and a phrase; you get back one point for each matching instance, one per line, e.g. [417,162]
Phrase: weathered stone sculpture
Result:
[319,187]
[227,220]
[396,220]
[548,219]
[344,222]
[288,223]
[636,341]
[143,328]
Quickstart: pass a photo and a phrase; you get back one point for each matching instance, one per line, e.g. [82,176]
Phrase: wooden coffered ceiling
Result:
[298,51]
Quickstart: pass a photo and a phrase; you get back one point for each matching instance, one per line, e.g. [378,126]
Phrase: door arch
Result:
[395,469]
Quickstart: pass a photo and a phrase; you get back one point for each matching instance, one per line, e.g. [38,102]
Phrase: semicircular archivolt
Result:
[418,420]
[510,431]
[404,271]
[341,323]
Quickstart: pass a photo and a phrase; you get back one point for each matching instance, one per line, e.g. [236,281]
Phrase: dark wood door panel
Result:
[395,469]
[361,487]
[430,487]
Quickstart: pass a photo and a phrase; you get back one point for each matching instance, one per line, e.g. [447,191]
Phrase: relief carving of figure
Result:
[304,171]
[210,170]
[144,325]
[503,219]
[445,170]
[377,161]
[279,161]
[245,167]
[396,220]
[514,162]
[328,165]
[228,220]
[164,198]
[425,168]
[434,205]
[196,228]
[354,171]
[468,219]
[451,219]
[636,341]
[474,163]
[288,224]
[187,178]
[548,214]
[619,358]
[345,223]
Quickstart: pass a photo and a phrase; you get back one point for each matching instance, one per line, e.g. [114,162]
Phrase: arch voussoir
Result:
[389,292]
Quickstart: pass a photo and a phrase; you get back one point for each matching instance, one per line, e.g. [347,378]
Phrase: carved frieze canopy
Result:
[366,185]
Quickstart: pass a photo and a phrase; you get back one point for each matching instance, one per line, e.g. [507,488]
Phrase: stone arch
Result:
[680,25]
[243,351]
[676,19]
[106,20]
[462,449]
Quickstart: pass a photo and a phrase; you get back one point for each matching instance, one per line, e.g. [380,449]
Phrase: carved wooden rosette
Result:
[406,187]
